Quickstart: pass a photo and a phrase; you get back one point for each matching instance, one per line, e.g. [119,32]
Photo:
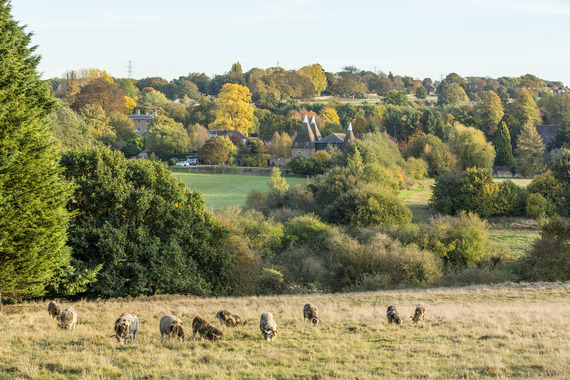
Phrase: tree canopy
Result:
[234,109]
[146,229]
[33,218]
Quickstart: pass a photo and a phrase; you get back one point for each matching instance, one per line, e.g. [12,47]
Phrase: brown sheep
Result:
[171,326]
[393,316]
[419,313]
[228,319]
[205,329]
[68,319]
[311,313]
[268,327]
[54,310]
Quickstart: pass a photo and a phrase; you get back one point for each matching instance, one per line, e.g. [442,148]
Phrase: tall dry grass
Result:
[506,331]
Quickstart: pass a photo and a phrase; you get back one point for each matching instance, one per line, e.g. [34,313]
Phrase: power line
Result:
[130,69]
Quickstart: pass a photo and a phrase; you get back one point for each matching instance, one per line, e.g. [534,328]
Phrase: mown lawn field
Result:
[226,190]
[503,331]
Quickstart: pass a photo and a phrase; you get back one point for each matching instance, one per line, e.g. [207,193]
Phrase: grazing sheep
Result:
[419,313]
[205,329]
[311,313]
[268,327]
[171,326]
[54,310]
[127,326]
[68,319]
[393,316]
[228,319]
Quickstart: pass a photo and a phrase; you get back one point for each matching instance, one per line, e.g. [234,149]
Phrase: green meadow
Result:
[226,190]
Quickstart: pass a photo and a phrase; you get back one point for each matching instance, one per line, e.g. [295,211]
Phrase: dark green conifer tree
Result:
[33,217]
[438,130]
[503,147]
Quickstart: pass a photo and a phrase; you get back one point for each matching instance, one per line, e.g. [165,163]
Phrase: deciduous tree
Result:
[147,230]
[234,109]
[471,147]
[490,112]
[317,75]
[214,151]
[450,93]
[525,109]
[101,93]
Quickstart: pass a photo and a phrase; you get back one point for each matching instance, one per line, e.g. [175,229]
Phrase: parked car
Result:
[182,163]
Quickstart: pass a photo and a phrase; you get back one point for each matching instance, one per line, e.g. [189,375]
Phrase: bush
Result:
[370,205]
[304,229]
[385,262]
[459,241]
[390,178]
[549,258]
[273,281]
[476,192]
[511,199]
[417,167]
[536,206]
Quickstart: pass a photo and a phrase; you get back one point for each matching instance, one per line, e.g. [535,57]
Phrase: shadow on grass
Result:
[421,213]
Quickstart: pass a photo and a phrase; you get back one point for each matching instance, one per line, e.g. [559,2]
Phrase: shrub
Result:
[385,262]
[459,241]
[388,177]
[257,200]
[476,192]
[474,276]
[304,229]
[549,258]
[536,206]
[417,167]
[370,205]
[510,200]
[273,281]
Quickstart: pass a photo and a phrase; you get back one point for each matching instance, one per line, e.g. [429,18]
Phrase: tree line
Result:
[78,217]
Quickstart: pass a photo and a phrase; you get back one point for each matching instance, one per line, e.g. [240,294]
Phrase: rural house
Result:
[236,137]
[141,122]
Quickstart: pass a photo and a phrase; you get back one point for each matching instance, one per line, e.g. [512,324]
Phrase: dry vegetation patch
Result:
[518,331]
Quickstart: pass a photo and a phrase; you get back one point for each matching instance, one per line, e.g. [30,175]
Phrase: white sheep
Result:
[268,327]
[171,326]
[68,319]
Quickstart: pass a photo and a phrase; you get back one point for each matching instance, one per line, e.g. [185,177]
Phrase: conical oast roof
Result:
[305,136]
[315,129]
[349,137]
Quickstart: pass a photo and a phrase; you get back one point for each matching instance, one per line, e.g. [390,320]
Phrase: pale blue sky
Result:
[408,37]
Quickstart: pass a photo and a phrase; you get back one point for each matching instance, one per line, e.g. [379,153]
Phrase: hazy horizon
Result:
[421,39]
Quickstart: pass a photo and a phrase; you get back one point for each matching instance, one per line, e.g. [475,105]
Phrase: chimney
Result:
[138,111]
[154,113]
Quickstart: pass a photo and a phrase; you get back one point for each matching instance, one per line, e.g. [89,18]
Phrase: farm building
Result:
[309,140]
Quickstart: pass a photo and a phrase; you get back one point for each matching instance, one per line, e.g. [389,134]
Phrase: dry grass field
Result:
[504,331]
